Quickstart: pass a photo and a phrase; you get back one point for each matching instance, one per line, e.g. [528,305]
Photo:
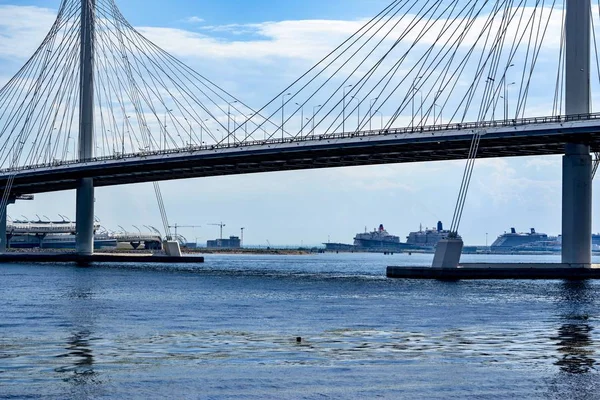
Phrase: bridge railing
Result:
[342,135]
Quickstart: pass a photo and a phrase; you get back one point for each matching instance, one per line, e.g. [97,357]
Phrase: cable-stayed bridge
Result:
[528,137]
[98,104]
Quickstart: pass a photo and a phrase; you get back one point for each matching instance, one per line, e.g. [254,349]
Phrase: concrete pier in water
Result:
[85,259]
[497,271]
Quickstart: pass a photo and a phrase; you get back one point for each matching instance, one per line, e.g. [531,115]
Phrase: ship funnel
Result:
[513,230]
[381,228]
[532,231]
[440,226]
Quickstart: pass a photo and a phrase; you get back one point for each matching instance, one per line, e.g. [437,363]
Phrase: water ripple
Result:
[230,328]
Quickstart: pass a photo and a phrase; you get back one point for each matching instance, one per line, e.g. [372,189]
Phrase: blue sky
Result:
[161,13]
[231,11]
[303,206]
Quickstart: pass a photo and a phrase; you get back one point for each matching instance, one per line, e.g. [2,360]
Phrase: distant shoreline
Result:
[183,250]
[276,251]
[250,251]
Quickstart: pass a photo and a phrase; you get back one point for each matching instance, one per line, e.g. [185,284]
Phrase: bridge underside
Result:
[324,153]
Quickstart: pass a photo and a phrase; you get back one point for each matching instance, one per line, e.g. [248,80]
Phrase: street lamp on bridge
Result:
[371,112]
[344,108]
[437,96]
[250,116]
[229,119]
[165,139]
[358,113]
[234,127]
[414,91]
[123,134]
[380,113]
[301,118]
[506,86]
[312,132]
[282,114]
[190,133]
[201,130]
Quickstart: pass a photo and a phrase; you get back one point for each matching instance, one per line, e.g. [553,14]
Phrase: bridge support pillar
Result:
[85,186]
[577,206]
[577,163]
[3,233]
[172,248]
[3,223]
[447,253]
[85,217]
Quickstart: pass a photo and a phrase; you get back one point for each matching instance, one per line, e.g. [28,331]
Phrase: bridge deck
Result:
[536,136]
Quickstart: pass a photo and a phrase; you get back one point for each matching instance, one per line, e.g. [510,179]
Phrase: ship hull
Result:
[375,244]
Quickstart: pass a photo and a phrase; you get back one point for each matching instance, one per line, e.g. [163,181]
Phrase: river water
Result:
[229,328]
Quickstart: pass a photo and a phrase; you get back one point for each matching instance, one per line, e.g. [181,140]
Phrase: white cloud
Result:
[312,39]
[505,183]
[22,29]
[288,39]
[542,163]
[194,20]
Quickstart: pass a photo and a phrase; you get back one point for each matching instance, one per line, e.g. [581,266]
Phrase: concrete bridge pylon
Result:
[85,186]
[577,162]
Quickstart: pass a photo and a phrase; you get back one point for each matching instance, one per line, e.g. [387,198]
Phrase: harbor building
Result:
[233,242]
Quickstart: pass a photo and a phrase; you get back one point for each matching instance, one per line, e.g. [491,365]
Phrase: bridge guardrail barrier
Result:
[344,135]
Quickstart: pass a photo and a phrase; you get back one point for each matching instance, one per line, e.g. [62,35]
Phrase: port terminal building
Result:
[233,242]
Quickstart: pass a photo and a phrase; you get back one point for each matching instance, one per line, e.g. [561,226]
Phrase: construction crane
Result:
[221,225]
[183,226]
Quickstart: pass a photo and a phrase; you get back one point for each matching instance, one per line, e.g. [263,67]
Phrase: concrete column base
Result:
[3,235]
[447,253]
[577,206]
[85,217]
[172,248]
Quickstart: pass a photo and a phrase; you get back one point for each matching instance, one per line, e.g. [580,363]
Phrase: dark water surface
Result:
[228,328]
